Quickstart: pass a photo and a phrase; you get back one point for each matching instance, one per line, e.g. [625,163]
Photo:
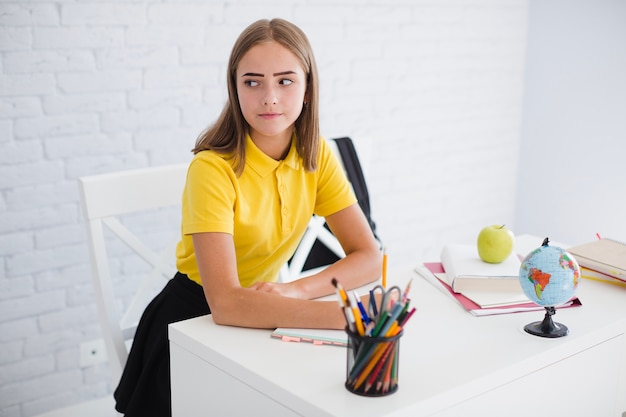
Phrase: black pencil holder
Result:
[372,364]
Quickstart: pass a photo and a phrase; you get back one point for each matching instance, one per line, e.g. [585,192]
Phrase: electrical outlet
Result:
[92,353]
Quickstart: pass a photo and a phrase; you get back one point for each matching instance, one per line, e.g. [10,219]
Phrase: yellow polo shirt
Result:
[266,209]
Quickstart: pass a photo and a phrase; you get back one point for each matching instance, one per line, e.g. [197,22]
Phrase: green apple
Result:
[495,243]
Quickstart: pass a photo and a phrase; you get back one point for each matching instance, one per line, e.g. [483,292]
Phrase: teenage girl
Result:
[257,176]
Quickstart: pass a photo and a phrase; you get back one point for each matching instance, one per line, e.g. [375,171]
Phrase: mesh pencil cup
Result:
[372,364]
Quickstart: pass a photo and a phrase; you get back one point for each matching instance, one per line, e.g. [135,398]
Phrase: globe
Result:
[549,277]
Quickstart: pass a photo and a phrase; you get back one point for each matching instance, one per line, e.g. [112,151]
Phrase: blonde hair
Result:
[228,134]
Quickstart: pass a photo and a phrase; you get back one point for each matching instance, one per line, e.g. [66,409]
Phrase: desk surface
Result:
[446,355]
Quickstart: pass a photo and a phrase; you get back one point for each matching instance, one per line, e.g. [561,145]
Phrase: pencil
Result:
[405,295]
[384,267]
[388,370]
[380,354]
[371,363]
[382,363]
[369,351]
[358,321]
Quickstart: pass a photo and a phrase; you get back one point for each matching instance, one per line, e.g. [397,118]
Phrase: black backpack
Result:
[321,255]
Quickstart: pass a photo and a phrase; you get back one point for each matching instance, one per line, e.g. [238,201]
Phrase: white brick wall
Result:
[431,91]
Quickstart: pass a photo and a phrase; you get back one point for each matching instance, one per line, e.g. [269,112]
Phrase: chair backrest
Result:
[319,247]
[106,200]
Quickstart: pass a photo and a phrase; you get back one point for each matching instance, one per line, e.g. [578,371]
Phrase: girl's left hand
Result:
[285,289]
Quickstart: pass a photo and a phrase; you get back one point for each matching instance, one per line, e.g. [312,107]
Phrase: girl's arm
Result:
[363,261]
[270,305]
[234,305]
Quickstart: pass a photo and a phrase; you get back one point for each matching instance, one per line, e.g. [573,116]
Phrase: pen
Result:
[373,303]
[364,316]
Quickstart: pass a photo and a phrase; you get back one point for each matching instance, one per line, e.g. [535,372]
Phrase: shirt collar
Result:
[264,164]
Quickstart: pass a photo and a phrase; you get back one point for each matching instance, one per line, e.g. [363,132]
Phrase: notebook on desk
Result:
[315,336]
[606,256]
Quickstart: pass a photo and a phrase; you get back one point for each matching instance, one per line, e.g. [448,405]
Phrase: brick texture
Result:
[430,91]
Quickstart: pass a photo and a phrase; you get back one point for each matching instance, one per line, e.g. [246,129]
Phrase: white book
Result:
[466,272]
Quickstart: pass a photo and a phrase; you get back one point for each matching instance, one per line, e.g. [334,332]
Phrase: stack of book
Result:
[602,260]
[481,288]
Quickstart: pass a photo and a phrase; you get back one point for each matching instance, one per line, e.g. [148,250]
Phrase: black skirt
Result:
[144,389]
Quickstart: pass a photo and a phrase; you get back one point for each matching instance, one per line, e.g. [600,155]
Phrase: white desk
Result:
[451,364]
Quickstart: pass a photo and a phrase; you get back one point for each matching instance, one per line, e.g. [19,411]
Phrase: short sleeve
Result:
[209,195]
[334,192]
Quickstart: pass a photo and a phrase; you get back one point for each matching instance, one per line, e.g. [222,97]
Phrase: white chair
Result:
[108,200]
[315,231]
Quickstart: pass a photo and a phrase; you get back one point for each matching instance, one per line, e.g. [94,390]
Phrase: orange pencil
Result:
[379,366]
[375,357]
[384,268]
[380,350]
[384,384]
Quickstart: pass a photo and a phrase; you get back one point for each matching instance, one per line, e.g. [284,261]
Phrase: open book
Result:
[434,273]
[465,271]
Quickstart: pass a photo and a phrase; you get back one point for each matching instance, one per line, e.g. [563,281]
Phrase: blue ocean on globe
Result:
[549,275]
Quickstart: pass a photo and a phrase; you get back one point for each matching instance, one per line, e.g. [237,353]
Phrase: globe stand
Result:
[547,327]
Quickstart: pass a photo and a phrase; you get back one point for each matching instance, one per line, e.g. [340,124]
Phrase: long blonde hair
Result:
[228,134]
